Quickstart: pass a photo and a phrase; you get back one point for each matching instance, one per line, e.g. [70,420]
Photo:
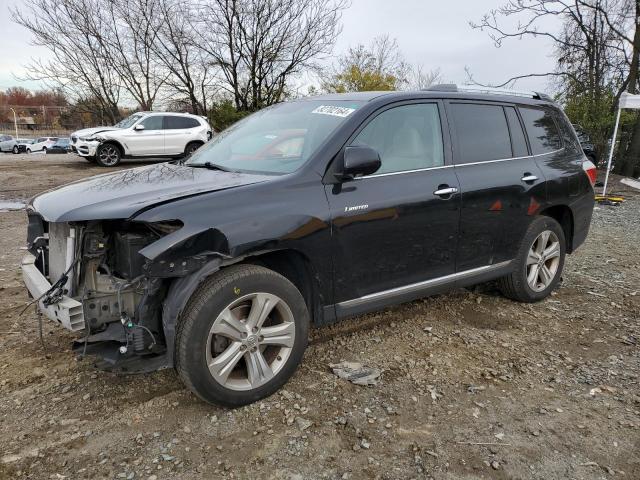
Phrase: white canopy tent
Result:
[630,101]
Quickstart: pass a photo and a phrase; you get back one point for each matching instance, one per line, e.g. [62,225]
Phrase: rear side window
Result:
[518,142]
[541,129]
[571,142]
[407,138]
[175,122]
[482,132]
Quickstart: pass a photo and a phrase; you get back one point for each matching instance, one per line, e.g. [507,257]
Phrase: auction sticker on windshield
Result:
[333,110]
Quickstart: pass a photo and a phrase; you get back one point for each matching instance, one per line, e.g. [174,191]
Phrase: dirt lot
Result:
[473,385]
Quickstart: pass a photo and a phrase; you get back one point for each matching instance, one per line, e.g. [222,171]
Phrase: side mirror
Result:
[139,127]
[359,161]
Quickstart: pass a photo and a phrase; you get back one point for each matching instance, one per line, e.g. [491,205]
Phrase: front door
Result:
[501,184]
[150,140]
[397,227]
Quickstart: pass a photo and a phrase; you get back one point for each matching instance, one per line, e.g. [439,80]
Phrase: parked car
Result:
[23,145]
[41,144]
[62,145]
[145,134]
[7,142]
[586,144]
[305,213]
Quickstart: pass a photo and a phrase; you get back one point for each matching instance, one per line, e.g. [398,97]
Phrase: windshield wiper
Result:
[208,165]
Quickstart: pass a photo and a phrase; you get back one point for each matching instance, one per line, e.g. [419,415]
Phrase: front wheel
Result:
[108,155]
[28,150]
[242,336]
[538,266]
[15,150]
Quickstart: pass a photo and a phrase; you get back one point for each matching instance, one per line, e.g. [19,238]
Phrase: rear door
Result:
[150,140]
[501,184]
[179,131]
[391,230]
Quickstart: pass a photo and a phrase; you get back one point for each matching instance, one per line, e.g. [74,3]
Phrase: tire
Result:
[15,150]
[527,283]
[204,336]
[44,150]
[191,148]
[28,150]
[108,155]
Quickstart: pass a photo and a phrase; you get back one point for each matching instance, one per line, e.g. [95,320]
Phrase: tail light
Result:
[590,170]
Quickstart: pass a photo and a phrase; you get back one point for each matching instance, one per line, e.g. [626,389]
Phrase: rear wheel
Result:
[15,150]
[28,150]
[108,155]
[191,148]
[242,336]
[44,149]
[538,266]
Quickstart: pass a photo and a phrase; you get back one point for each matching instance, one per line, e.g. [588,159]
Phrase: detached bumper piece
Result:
[66,312]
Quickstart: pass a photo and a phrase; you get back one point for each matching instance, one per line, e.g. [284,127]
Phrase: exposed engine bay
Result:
[99,286]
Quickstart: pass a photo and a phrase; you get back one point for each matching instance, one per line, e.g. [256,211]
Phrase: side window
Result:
[152,123]
[571,142]
[518,142]
[482,132]
[541,129]
[408,137]
[173,122]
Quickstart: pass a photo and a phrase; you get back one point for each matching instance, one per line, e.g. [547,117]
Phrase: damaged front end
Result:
[91,278]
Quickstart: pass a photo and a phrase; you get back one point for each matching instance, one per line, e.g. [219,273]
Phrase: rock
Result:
[495,465]
[356,373]
[303,423]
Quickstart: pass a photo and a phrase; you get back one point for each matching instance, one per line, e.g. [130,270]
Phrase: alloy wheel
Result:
[109,155]
[250,341]
[543,261]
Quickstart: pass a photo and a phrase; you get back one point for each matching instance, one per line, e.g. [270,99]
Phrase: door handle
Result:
[529,178]
[443,192]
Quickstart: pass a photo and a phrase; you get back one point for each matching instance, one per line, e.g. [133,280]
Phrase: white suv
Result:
[143,134]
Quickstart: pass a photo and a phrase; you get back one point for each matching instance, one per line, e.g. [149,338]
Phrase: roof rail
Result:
[452,87]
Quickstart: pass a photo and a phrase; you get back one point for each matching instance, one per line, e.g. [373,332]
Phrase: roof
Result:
[442,91]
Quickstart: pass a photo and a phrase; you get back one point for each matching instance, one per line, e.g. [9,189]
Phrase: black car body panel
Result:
[121,194]
[359,245]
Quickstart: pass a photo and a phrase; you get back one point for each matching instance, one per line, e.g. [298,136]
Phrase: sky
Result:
[430,33]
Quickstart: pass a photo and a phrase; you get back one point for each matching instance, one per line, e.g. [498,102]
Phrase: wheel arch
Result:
[290,263]
[116,144]
[564,216]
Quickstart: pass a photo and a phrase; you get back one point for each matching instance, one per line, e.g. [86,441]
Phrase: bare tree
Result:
[66,28]
[128,34]
[257,46]
[420,79]
[190,78]
[596,60]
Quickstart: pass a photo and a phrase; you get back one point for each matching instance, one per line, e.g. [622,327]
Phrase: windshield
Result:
[277,140]
[127,122]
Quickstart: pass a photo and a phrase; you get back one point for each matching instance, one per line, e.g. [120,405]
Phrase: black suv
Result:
[308,212]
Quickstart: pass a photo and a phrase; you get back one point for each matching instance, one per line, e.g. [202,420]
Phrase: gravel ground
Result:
[472,385]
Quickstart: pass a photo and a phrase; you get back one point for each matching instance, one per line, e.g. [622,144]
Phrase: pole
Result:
[613,145]
[15,122]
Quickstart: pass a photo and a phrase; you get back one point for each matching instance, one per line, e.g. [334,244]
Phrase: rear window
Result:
[541,129]
[482,132]
[175,122]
